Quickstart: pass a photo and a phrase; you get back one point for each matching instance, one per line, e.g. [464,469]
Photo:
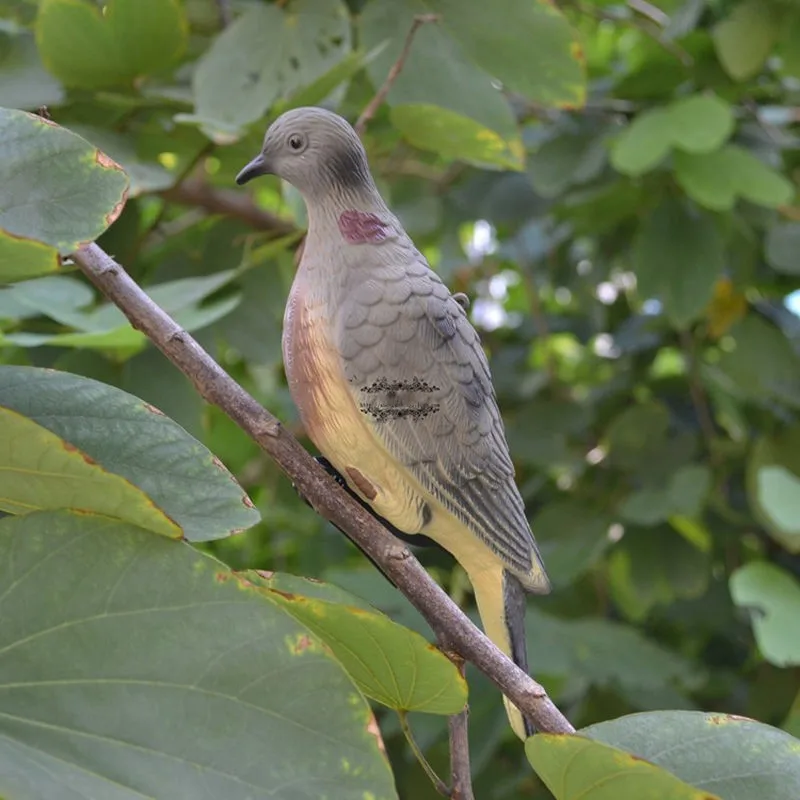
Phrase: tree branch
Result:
[196,192]
[369,112]
[460,772]
[445,618]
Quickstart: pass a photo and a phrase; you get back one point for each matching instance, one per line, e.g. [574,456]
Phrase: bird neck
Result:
[327,213]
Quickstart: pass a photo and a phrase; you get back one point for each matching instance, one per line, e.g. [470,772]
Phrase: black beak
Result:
[258,166]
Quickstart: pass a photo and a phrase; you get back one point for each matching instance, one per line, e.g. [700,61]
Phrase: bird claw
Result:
[331,470]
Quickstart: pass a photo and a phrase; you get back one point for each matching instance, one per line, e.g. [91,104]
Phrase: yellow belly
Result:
[335,424]
[344,436]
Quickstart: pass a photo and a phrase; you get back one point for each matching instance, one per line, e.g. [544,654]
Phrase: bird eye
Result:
[296,142]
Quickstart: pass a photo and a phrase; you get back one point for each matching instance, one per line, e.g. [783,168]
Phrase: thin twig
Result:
[458,728]
[647,25]
[437,782]
[697,393]
[655,15]
[445,618]
[372,107]
[196,192]
[224,13]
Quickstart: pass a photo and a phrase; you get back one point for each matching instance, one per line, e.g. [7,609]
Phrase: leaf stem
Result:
[437,782]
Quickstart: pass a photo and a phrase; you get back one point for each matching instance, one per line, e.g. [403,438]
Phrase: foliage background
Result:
[623,215]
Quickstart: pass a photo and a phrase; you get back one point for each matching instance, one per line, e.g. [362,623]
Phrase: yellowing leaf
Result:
[41,471]
[456,136]
[726,308]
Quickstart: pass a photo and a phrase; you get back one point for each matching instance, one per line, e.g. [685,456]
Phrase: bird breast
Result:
[330,415]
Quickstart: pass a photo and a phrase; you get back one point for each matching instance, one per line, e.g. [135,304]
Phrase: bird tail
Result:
[501,603]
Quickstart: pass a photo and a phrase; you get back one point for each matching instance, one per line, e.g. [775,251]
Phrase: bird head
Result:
[315,150]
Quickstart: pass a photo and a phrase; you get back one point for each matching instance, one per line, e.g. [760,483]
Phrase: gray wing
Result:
[418,373]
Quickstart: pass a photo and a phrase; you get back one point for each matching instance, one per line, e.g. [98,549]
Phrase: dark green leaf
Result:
[577,768]
[678,256]
[772,598]
[735,757]
[155,641]
[122,436]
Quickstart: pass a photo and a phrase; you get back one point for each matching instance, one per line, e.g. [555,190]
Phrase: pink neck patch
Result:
[361,227]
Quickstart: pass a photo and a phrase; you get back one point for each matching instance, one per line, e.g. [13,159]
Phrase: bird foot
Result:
[416,539]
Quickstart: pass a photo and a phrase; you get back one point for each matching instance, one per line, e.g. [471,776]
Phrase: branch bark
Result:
[446,619]
[196,192]
[369,112]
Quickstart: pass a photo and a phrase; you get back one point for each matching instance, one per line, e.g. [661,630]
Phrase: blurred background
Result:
[613,184]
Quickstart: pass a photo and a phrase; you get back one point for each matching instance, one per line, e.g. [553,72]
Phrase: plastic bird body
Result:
[390,379]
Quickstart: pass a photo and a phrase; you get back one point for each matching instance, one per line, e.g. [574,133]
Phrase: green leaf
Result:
[267,54]
[43,471]
[24,82]
[736,757]
[782,248]
[173,678]
[716,179]
[655,567]
[587,650]
[700,123]
[763,365]
[542,61]
[572,537]
[129,39]
[437,72]
[789,46]
[678,256]
[55,188]
[772,598]
[773,486]
[576,768]
[120,434]
[744,39]
[643,144]
[145,176]
[696,124]
[456,62]
[21,259]
[564,161]
[455,136]
[389,663]
[684,495]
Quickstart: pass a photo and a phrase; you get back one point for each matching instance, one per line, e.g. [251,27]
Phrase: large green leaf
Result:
[90,48]
[772,598]
[55,189]
[129,438]
[43,471]
[734,757]
[437,72]
[576,768]
[267,54]
[389,663]
[782,247]
[21,259]
[572,537]
[132,666]
[677,257]
[24,82]
[763,365]
[773,486]
[542,61]
[744,39]
[696,124]
[145,176]
[456,136]
[716,180]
